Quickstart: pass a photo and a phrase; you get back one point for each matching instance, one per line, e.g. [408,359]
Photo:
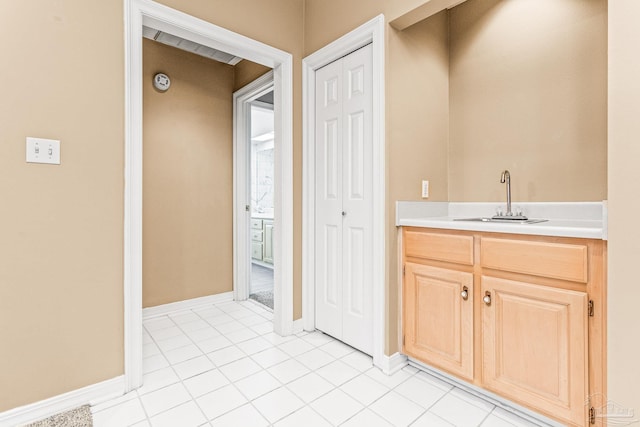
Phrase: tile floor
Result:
[223,366]
[261,278]
[261,286]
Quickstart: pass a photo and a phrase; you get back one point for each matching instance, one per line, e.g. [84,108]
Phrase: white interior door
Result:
[344,175]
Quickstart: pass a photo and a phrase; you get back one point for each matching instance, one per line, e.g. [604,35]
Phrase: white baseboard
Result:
[392,364]
[164,309]
[32,412]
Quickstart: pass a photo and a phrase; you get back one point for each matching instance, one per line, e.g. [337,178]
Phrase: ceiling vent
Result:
[189,46]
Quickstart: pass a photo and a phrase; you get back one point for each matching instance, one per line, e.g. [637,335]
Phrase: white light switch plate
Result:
[40,150]
[425,189]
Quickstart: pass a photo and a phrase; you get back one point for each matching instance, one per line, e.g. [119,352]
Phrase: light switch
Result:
[40,150]
[425,189]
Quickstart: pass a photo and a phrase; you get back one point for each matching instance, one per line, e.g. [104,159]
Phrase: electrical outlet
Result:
[425,189]
[41,150]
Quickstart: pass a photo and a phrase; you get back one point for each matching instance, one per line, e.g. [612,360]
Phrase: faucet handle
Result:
[499,211]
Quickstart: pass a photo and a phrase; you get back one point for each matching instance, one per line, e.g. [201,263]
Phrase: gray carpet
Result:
[79,417]
[264,298]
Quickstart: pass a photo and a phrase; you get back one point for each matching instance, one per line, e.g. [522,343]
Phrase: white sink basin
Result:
[502,220]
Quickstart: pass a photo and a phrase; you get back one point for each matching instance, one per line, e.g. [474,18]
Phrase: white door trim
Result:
[370,32]
[241,236]
[147,12]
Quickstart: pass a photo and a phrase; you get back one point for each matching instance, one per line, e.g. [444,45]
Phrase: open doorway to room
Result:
[189,146]
[262,186]
[146,18]
[255,141]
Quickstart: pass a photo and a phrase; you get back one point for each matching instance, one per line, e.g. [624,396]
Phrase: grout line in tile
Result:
[230,309]
[485,417]
[180,379]
[146,414]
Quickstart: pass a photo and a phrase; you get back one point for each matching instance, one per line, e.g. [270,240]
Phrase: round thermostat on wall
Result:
[161,82]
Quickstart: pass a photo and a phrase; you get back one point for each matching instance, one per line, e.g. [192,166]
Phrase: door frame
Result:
[242,101]
[164,18]
[370,32]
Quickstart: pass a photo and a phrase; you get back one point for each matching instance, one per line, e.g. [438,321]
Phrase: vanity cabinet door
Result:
[268,241]
[256,251]
[438,317]
[535,346]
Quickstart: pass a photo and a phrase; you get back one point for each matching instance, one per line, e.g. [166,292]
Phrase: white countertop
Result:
[579,219]
[261,215]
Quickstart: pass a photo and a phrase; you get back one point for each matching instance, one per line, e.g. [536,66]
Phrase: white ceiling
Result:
[261,124]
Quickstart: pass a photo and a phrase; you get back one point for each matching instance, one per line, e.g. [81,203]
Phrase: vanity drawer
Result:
[439,246]
[256,224]
[545,259]
[256,250]
[256,235]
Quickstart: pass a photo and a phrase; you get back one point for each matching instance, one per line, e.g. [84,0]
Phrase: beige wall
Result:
[326,20]
[61,268]
[418,128]
[61,227]
[624,176]
[245,72]
[187,181]
[528,84]
[418,109]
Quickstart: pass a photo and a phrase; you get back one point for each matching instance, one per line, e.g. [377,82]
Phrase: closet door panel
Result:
[358,199]
[328,200]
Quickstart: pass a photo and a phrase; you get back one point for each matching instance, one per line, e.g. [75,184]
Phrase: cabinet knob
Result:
[487,298]
[465,293]
[344,213]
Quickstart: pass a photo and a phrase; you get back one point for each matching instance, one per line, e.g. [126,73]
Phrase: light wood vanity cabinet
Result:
[439,321]
[438,303]
[522,316]
[534,346]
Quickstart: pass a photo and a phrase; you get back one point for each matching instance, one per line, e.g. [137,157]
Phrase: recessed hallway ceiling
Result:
[189,46]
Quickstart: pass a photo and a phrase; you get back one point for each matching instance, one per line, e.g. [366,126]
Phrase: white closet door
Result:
[357,201]
[344,176]
[328,268]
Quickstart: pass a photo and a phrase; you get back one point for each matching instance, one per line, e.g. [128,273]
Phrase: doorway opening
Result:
[261,148]
[255,186]
[146,13]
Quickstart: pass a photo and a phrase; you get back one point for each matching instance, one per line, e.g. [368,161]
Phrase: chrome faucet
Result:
[505,178]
